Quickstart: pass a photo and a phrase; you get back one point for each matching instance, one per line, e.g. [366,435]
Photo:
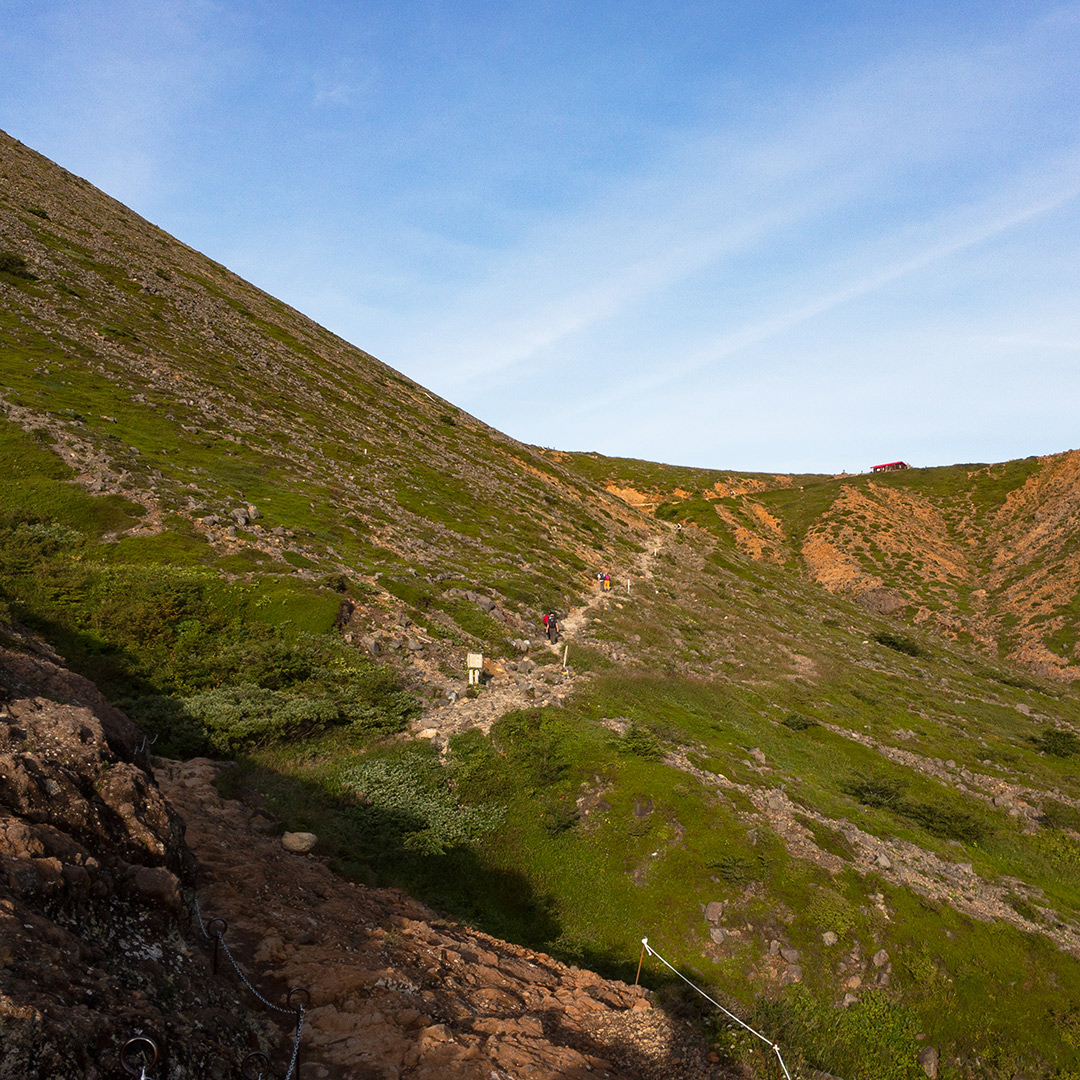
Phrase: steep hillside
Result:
[245,432]
[817,743]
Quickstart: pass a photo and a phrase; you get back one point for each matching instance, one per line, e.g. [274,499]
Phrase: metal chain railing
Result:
[218,936]
[140,1053]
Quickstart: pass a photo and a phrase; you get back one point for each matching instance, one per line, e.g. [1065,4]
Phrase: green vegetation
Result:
[203,661]
[898,642]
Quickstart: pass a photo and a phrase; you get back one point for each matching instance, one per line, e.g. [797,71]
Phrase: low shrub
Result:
[941,817]
[641,742]
[829,910]
[1063,744]
[829,839]
[1059,815]
[876,790]
[15,265]
[898,643]
[740,869]
[1023,907]
[533,746]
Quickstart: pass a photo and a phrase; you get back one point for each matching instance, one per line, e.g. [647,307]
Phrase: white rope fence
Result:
[757,1034]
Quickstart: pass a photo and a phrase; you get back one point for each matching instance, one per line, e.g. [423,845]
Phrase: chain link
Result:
[296,1042]
[244,979]
[198,915]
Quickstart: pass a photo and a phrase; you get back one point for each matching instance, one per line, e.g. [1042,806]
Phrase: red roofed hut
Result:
[891,466]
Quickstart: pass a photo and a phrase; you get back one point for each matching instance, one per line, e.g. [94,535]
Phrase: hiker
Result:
[607,582]
[552,625]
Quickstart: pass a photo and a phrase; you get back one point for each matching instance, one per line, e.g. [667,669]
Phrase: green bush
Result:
[829,910]
[533,746]
[739,869]
[898,643]
[27,543]
[1061,851]
[877,790]
[642,743]
[231,719]
[828,838]
[16,266]
[940,816]
[1059,815]
[1061,744]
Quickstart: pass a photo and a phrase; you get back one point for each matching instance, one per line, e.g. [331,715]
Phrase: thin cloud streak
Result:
[518,221]
[734,196]
[731,344]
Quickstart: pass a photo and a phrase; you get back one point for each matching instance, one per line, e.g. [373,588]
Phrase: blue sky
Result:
[772,236]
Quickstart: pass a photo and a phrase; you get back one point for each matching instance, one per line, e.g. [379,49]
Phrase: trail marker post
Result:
[475,664]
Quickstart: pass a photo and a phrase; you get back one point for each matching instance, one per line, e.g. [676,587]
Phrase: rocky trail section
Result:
[397,992]
[899,861]
[526,683]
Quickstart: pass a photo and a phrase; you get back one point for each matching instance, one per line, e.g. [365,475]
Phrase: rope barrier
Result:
[727,1012]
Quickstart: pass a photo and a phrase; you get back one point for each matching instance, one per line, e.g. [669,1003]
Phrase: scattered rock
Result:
[158,886]
[92,864]
[299,842]
[929,1060]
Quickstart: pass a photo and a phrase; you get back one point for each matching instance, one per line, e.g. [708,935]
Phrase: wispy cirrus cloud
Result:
[822,180]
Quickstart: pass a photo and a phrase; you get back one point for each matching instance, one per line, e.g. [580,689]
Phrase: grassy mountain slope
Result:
[819,744]
[988,554]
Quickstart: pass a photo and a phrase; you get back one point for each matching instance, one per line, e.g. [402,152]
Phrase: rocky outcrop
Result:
[93,942]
